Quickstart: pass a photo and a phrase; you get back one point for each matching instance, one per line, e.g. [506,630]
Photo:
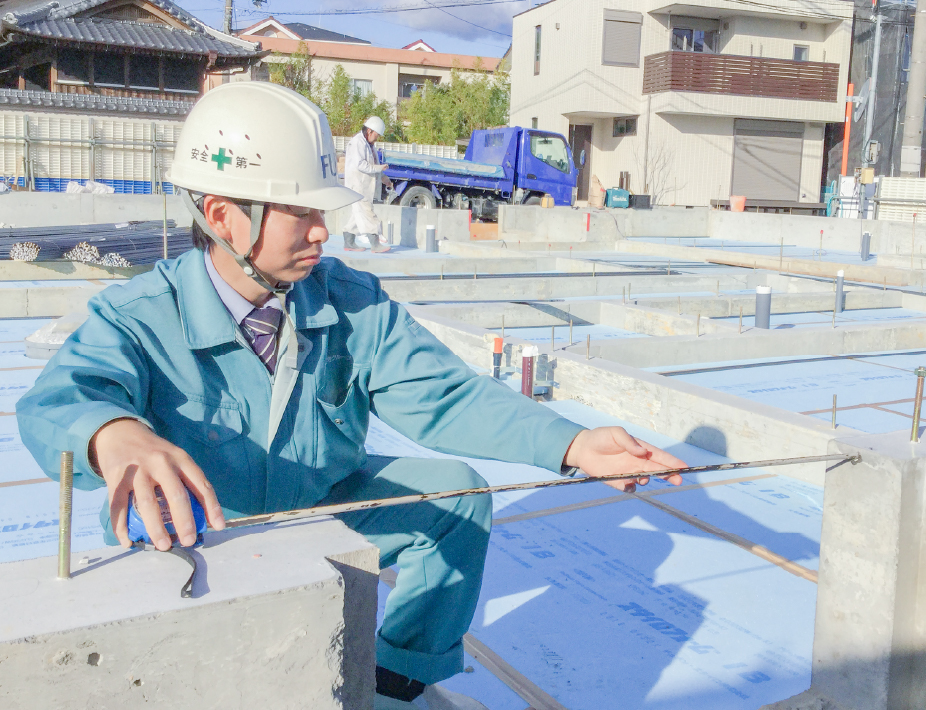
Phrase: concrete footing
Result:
[281,616]
[870,633]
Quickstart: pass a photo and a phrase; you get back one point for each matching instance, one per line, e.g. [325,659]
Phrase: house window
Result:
[801,53]
[73,67]
[621,40]
[182,76]
[144,72]
[624,127]
[536,50]
[109,69]
[361,87]
[552,151]
[38,77]
[409,84]
[685,40]
[534,122]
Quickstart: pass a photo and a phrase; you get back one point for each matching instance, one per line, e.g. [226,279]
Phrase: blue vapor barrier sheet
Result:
[874,391]
[625,603]
[824,319]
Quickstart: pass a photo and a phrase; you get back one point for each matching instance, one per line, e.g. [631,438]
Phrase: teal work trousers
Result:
[440,549]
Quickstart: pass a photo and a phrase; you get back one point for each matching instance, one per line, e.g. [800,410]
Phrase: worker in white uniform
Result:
[363,173]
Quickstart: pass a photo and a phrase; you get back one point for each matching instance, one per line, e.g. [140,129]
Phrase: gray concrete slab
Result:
[54,209]
[282,616]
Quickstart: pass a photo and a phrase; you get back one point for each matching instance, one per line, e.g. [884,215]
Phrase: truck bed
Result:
[415,161]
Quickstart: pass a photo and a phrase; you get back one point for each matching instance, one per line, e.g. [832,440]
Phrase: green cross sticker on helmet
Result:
[257,118]
[221,159]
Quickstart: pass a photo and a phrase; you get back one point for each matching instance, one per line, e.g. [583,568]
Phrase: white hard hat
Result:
[258,141]
[375,123]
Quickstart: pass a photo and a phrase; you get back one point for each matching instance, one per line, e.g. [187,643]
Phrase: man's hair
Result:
[201,240]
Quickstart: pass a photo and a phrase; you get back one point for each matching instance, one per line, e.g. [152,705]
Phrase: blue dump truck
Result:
[512,166]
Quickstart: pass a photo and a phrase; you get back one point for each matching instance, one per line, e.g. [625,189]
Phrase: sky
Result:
[483,28]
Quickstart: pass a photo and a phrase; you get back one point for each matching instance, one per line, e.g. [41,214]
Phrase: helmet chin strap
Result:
[243,260]
[280,290]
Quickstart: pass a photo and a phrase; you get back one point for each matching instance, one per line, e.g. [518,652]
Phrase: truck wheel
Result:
[418,196]
[532,201]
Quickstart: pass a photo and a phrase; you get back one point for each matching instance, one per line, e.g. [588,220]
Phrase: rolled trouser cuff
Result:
[429,668]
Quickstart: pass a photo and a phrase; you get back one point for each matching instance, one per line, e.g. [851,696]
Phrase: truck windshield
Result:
[551,151]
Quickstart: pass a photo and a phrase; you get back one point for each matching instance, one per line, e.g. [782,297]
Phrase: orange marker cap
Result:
[499,346]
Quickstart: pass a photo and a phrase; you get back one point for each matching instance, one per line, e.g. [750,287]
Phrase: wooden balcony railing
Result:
[733,75]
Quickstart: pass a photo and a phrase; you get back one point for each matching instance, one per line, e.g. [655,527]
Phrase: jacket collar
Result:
[206,321]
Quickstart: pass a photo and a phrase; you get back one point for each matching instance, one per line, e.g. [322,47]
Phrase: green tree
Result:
[444,113]
[344,106]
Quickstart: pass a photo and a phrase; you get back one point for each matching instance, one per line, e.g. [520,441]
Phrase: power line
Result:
[403,8]
[466,21]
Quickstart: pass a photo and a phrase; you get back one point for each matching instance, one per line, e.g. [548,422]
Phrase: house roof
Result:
[420,45]
[24,19]
[318,34]
[108,105]
[368,53]
[299,30]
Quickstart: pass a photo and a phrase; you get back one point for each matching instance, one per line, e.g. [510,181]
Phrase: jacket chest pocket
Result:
[345,407]
[207,430]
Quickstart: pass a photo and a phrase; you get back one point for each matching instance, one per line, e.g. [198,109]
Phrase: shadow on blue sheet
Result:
[625,606]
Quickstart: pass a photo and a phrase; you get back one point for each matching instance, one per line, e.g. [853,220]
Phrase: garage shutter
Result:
[767,159]
[621,38]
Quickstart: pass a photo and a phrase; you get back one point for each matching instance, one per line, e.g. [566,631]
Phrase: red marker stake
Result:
[497,358]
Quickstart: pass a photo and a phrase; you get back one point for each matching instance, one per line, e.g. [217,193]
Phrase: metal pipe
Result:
[698,326]
[430,243]
[390,233]
[336,509]
[741,320]
[763,307]
[570,332]
[65,510]
[503,325]
[920,373]
[588,346]
[840,296]
[552,338]
[834,411]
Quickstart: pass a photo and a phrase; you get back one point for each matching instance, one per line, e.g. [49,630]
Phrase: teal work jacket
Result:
[163,349]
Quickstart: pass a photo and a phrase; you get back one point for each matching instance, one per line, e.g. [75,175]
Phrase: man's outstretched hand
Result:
[610,450]
[133,459]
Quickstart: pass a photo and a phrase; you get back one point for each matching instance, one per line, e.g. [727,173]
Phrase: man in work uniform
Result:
[363,173]
[246,371]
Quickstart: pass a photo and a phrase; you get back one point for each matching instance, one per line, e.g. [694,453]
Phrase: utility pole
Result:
[911,150]
[227,27]
[872,91]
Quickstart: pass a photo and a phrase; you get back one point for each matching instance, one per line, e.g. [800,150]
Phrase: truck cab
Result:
[508,165]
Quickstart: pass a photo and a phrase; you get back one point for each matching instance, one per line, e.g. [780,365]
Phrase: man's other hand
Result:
[611,450]
[133,459]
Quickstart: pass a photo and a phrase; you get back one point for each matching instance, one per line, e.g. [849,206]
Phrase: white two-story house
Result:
[687,102]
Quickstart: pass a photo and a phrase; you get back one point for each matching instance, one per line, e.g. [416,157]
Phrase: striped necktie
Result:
[261,326]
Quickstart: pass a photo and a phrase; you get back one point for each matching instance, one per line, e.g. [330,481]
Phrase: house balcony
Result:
[732,75]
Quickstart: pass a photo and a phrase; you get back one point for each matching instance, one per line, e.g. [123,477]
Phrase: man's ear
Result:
[218,214]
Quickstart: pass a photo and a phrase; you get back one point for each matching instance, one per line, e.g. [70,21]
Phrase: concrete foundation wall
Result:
[410,223]
[55,209]
[754,343]
[711,420]
[869,650]
[281,616]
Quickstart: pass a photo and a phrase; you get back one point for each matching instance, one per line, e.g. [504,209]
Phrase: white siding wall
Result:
[691,134]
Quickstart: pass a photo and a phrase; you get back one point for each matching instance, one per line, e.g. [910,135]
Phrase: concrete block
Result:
[870,633]
[283,616]
[411,223]
[55,209]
